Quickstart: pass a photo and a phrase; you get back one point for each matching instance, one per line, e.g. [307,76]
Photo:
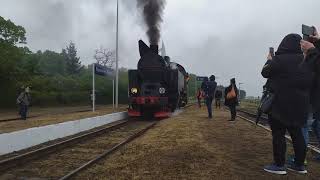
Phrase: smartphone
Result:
[271,51]
[307,31]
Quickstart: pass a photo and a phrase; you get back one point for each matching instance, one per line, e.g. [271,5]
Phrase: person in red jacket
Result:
[199,96]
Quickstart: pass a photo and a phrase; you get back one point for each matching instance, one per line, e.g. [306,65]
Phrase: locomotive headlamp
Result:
[134,90]
[162,90]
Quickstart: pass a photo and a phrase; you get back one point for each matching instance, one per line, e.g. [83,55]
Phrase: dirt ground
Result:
[47,116]
[190,146]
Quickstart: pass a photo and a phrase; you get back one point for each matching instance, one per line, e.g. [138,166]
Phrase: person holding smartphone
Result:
[311,50]
[291,82]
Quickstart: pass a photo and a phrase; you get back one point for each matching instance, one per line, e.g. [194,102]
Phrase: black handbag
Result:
[265,104]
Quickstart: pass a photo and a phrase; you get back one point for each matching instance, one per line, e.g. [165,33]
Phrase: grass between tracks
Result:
[190,146]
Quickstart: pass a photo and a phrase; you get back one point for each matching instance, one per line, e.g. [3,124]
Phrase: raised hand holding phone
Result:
[271,53]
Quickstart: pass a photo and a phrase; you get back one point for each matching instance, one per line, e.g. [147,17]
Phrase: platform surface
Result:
[54,115]
[190,146]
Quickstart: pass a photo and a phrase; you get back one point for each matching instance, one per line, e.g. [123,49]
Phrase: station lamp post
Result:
[117,57]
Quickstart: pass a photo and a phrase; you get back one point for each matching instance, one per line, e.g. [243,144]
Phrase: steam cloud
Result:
[152,13]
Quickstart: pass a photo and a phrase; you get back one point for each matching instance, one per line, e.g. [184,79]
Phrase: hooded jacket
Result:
[291,81]
[233,101]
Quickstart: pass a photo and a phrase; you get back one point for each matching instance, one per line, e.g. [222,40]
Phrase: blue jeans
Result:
[306,127]
[209,105]
[316,125]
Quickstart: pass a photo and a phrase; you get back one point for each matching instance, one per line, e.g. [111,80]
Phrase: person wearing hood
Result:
[291,81]
[231,98]
[209,88]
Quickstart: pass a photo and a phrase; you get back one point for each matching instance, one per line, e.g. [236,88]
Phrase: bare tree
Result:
[105,57]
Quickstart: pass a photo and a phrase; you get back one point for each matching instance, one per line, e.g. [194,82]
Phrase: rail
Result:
[264,126]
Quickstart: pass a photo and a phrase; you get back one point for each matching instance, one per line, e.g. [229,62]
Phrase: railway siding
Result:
[190,146]
[61,162]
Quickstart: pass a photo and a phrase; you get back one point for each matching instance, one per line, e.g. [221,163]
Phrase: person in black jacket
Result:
[291,81]
[312,55]
[209,88]
[231,101]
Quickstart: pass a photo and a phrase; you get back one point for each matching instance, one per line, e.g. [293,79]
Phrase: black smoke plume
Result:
[152,13]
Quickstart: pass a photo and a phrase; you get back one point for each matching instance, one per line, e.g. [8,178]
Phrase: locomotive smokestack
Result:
[154,48]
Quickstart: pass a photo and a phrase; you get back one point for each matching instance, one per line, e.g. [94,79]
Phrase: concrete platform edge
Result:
[18,140]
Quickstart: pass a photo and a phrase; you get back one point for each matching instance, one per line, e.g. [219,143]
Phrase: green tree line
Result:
[55,78]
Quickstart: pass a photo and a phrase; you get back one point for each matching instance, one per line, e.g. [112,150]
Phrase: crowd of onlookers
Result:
[293,84]
[294,79]
[209,92]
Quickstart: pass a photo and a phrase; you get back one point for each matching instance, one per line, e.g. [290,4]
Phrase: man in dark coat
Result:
[233,101]
[209,88]
[23,101]
[291,81]
[312,55]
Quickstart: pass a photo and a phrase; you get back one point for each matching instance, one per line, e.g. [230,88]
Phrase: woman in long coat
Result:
[231,101]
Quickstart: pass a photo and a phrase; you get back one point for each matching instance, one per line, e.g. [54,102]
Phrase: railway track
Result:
[265,125]
[65,159]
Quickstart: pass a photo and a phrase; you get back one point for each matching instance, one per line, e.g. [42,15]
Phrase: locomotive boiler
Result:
[158,86]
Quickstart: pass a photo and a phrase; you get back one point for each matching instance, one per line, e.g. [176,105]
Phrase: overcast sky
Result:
[228,38]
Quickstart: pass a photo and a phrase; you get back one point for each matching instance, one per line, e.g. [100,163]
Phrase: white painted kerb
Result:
[18,140]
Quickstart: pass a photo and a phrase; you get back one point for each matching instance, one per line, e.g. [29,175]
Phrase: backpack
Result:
[232,93]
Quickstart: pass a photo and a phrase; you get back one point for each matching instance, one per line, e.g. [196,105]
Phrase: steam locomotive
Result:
[158,86]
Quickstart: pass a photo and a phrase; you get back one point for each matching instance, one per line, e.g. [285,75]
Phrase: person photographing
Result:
[291,81]
[310,46]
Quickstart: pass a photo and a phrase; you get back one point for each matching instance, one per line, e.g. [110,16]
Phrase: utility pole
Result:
[93,95]
[195,87]
[117,57]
